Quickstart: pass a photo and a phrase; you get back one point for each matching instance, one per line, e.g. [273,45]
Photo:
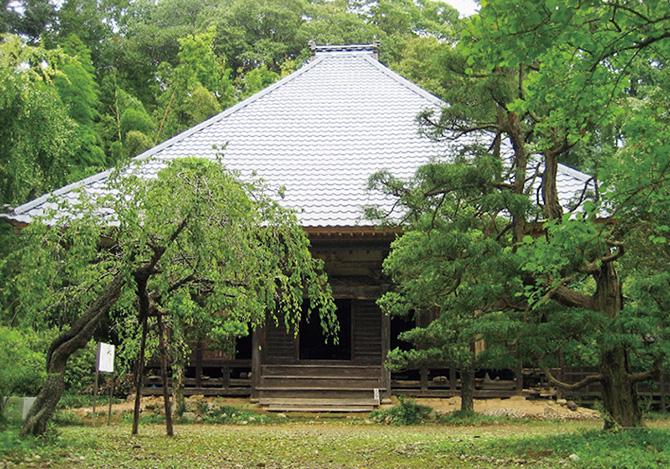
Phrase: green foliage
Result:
[225,254]
[22,371]
[406,412]
[37,137]
[80,372]
[448,271]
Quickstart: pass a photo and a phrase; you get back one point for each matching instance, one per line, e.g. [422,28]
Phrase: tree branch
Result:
[569,297]
[597,378]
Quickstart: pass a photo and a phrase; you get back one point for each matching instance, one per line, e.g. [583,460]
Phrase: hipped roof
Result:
[319,133]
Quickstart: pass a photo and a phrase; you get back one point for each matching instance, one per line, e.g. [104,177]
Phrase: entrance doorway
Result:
[312,339]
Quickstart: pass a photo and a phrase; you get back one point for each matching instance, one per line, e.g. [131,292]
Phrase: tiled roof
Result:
[319,132]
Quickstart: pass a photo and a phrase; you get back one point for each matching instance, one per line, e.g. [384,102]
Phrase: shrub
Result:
[407,412]
[27,371]
[80,370]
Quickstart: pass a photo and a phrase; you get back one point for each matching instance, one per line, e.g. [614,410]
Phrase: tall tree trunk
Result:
[164,375]
[468,390]
[178,388]
[139,376]
[61,350]
[618,389]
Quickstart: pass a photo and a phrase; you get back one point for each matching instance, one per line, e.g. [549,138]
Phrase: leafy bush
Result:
[407,412]
[64,418]
[80,370]
[24,376]
[72,400]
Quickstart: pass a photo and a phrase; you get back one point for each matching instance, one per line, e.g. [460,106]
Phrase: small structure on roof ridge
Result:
[372,48]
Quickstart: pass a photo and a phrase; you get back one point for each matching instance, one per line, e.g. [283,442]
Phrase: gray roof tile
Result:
[319,132]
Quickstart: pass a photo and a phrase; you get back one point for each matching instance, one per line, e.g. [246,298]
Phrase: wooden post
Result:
[97,373]
[198,364]
[423,373]
[95,386]
[452,379]
[518,377]
[561,373]
[225,373]
[164,377]
[111,396]
[256,360]
[139,376]
[386,345]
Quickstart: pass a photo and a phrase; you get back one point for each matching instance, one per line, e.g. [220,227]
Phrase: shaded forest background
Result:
[108,79]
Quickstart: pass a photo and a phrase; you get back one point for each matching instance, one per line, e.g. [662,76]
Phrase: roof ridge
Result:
[405,82]
[171,141]
[440,102]
[331,48]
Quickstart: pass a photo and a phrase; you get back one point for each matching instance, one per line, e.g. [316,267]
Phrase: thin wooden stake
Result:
[139,378]
[164,378]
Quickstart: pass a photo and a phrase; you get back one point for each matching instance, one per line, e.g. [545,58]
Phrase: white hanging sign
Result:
[105,361]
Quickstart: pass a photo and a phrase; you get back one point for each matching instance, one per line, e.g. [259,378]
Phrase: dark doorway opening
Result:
[312,338]
[243,347]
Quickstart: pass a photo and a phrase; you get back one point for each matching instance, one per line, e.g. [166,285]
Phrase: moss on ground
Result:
[346,443]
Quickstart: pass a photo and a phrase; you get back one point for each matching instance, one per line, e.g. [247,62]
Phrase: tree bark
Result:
[618,389]
[178,388]
[139,376]
[61,350]
[467,390]
[164,375]
[552,206]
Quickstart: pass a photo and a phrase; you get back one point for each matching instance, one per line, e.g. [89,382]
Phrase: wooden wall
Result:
[354,268]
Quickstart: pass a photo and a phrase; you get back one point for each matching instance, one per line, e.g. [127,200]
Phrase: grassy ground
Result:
[328,443]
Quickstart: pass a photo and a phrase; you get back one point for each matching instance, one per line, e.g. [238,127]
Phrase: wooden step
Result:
[312,402]
[321,381]
[316,408]
[366,371]
[324,392]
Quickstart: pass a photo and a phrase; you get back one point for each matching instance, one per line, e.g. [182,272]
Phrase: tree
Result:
[37,137]
[452,269]
[544,94]
[593,58]
[197,88]
[79,93]
[194,238]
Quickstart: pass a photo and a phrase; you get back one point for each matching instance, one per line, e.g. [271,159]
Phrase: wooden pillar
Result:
[561,373]
[198,364]
[256,360]
[225,374]
[423,377]
[518,377]
[452,379]
[386,345]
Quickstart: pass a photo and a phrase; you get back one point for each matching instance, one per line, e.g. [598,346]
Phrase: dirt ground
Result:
[516,407]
